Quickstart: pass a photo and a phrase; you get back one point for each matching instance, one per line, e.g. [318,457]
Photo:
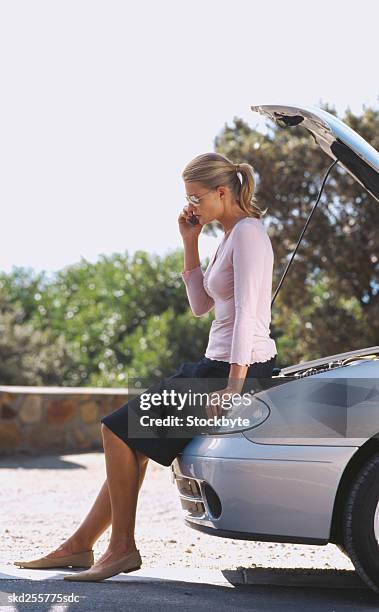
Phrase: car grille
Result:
[189,494]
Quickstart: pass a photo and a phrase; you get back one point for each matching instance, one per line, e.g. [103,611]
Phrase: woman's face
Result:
[210,205]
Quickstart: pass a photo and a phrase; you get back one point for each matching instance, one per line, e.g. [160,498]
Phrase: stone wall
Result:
[36,420]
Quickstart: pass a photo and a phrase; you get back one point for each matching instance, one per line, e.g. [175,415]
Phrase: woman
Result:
[237,284]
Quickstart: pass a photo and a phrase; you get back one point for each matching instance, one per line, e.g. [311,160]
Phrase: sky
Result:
[104,103]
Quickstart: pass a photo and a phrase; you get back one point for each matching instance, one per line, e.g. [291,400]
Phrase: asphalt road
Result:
[145,595]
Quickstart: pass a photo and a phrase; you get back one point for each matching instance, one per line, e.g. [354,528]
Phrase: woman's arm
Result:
[191,253]
[248,256]
[237,375]
[192,275]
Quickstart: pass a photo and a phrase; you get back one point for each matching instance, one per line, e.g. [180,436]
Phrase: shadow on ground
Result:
[245,588]
[42,462]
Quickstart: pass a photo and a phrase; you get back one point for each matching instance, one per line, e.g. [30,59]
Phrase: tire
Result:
[360,535]
[343,550]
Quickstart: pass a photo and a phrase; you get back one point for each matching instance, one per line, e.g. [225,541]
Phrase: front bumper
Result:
[232,487]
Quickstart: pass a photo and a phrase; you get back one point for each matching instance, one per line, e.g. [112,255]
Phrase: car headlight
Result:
[245,412]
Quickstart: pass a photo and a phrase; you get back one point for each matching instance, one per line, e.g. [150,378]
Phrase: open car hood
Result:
[336,138]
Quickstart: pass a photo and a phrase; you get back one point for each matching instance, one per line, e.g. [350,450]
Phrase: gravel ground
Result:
[43,500]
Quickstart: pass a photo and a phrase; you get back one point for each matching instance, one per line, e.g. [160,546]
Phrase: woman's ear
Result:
[221,191]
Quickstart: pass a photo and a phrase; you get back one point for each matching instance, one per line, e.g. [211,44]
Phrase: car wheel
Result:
[361,523]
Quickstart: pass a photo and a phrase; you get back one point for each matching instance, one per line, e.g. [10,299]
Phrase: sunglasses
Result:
[193,199]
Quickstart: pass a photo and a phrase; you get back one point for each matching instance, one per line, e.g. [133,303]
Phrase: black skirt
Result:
[161,448]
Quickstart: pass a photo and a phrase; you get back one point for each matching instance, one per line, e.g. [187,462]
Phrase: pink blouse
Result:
[237,284]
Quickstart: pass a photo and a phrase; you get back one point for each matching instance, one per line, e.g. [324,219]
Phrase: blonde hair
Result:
[214,169]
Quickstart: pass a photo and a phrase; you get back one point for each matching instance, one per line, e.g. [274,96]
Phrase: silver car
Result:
[306,468]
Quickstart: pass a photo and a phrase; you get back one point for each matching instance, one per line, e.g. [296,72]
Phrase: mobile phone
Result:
[192,220]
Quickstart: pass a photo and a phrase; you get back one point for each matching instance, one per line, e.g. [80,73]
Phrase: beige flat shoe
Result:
[127,563]
[80,559]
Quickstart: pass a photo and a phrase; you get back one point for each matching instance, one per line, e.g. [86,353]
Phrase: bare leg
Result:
[100,515]
[97,520]
[122,466]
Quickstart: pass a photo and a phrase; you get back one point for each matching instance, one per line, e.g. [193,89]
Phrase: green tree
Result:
[120,317]
[29,356]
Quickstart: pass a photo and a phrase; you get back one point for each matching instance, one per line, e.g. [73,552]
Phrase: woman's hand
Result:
[187,230]
[215,401]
